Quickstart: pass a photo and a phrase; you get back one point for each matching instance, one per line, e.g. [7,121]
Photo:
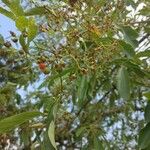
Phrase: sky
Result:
[6,25]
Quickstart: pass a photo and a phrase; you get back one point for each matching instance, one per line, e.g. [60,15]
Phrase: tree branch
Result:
[140,22]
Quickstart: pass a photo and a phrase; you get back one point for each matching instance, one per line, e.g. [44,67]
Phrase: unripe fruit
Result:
[7,44]
[13,34]
[21,52]
[46,71]
[43,28]
[42,59]
[72,77]
[24,34]
[15,40]
[72,2]
[84,71]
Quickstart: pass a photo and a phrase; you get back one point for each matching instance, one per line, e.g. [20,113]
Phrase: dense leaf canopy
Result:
[75,75]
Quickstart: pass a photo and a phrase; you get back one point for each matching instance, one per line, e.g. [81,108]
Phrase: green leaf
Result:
[46,143]
[35,11]
[147,29]
[97,144]
[23,43]
[145,11]
[145,53]
[144,137]
[91,86]
[16,120]
[7,13]
[32,30]
[25,134]
[127,48]
[22,23]
[53,108]
[105,40]
[147,95]
[80,131]
[1,41]
[82,89]
[14,6]
[130,2]
[49,140]
[51,134]
[132,66]
[86,45]
[50,80]
[147,112]
[3,99]
[135,68]
[123,83]
[130,35]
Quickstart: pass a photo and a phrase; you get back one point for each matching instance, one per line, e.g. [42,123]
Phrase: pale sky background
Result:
[6,25]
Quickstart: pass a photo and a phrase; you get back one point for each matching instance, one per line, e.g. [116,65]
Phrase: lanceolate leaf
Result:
[130,35]
[49,81]
[22,23]
[23,43]
[80,131]
[14,6]
[7,13]
[82,89]
[123,83]
[32,30]
[46,143]
[97,144]
[51,134]
[147,95]
[145,11]
[127,48]
[147,112]
[1,40]
[144,137]
[35,11]
[16,120]
[145,53]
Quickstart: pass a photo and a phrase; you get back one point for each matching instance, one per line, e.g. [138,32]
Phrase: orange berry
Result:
[42,66]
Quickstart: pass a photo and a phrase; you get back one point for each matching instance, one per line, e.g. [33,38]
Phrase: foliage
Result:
[81,68]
